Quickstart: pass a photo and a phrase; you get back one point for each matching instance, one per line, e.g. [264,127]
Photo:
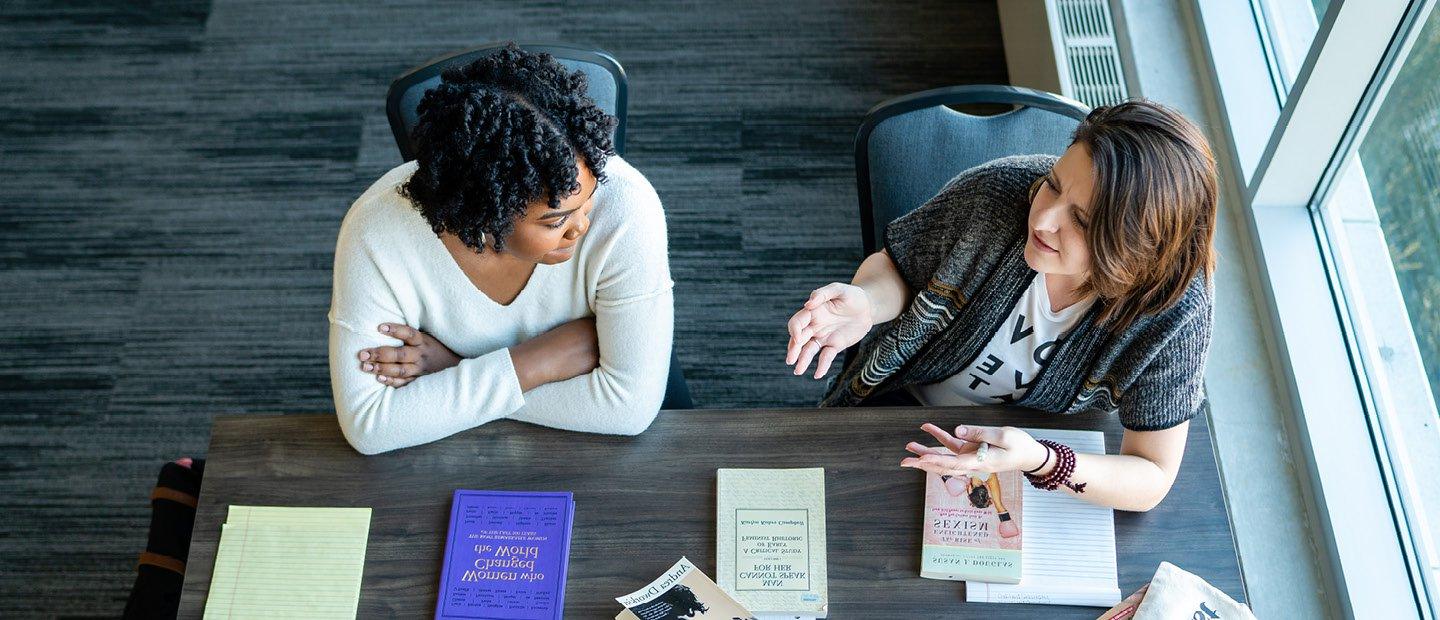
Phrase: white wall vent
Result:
[1063,46]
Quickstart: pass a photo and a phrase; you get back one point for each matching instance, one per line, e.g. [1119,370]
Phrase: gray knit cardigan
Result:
[963,252]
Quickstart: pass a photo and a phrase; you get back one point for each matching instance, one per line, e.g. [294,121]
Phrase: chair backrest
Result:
[910,146]
[606,79]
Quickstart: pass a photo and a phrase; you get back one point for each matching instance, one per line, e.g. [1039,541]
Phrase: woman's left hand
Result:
[421,354]
[1010,449]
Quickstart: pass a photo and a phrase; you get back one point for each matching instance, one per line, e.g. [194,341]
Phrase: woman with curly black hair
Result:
[517,269]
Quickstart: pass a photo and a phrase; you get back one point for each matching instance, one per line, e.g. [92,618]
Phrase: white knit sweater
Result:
[390,267]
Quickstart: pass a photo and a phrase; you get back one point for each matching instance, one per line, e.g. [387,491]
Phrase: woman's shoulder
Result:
[386,189]
[1005,174]
[1191,315]
[995,192]
[1038,163]
[626,185]
[626,200]
[977,206]
[1198,299]
[626,248]
[381,211]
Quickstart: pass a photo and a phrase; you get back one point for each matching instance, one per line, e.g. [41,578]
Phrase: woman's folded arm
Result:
[623,394]
[377,418]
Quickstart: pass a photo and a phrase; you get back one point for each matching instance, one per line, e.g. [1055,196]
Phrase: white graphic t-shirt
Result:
[1009,364]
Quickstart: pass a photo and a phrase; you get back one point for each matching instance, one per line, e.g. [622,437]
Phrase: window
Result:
[1341,189]
[1381,218]
[1287,29]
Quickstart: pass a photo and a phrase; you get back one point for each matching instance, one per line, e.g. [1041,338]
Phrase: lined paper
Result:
[284,562]
[1068,557]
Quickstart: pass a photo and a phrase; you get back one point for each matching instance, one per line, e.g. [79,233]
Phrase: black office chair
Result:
[910,146]
[608,88]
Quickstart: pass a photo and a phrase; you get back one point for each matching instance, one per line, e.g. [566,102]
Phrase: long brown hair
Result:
[1152,219]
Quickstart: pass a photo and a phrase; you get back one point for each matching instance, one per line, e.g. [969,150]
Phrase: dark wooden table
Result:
[642,502]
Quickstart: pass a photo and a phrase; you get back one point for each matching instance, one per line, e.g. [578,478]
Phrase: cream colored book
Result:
[770,540]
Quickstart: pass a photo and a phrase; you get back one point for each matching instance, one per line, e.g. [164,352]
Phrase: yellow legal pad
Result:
[283,562]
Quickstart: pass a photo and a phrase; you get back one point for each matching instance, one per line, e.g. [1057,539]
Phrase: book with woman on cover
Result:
[681,593]
[972,527]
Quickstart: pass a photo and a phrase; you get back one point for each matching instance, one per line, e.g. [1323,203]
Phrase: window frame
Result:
[1300,147]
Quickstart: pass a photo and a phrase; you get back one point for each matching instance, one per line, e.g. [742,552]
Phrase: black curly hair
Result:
[980,497]
[499,133]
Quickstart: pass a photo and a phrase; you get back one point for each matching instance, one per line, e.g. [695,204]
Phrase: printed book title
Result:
[504,563]
[674,576]
[960,526]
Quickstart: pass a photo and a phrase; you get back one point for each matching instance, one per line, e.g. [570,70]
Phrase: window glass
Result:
[1288,27]
[1382,221]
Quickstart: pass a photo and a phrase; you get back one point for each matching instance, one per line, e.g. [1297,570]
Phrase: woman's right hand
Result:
[835,317]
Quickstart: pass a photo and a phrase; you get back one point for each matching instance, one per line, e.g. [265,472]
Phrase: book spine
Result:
[564,561]
[455,500]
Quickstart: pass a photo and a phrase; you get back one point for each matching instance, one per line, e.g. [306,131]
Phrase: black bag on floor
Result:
[160,572]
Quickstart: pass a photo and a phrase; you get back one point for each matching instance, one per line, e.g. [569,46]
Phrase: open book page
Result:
[1068,557]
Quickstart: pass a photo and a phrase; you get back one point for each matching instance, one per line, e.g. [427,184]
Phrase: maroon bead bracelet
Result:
[1064,466]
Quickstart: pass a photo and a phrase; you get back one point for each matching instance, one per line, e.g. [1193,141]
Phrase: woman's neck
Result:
[500,276]
[1063,290]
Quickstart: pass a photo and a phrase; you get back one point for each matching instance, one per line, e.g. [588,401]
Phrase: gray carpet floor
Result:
[173,173]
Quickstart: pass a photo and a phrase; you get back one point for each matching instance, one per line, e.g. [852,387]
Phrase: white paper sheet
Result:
[1068,557]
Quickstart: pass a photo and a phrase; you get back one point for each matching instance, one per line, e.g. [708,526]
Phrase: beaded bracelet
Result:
[1064,466]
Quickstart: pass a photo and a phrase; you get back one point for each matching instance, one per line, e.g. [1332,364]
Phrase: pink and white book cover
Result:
[973,527]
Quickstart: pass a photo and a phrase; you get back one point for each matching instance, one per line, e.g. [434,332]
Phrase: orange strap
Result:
[161,561]
[174,496]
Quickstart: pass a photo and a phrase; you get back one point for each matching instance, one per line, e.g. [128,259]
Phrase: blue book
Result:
[506,556]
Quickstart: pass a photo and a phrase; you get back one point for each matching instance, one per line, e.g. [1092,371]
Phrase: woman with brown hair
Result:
[1064,285]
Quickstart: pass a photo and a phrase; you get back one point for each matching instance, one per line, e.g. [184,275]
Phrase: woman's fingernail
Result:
[364,355]
[385,328]
[960,430]
[367,366]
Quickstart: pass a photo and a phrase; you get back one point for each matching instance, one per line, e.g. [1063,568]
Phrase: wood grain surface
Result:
[642,502]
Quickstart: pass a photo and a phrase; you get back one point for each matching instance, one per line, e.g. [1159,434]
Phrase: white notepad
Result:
[1068,557]
[282,562]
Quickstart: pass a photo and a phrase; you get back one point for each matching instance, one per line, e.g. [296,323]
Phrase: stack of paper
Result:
[289,562]
[1068,557]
